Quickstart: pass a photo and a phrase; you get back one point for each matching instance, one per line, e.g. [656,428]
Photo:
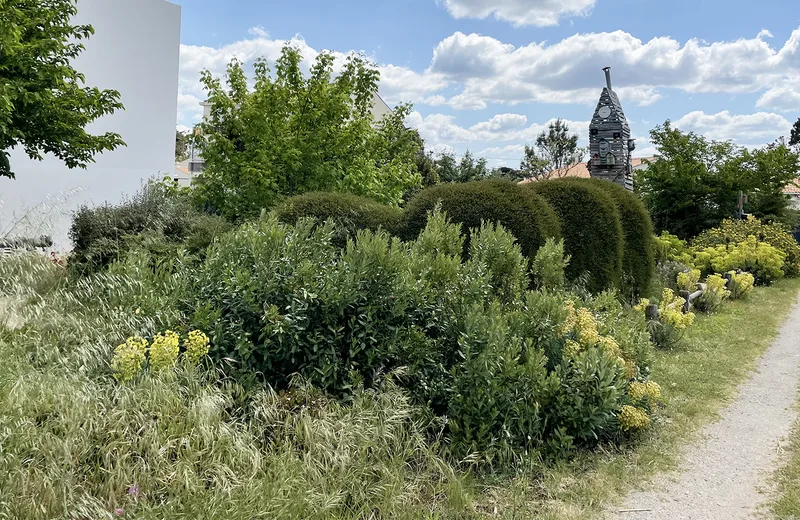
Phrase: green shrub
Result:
[278,300]
[549,265]
[157,218]
[349,212]
[736,231]
[526,216]
[669,248]
[591,227]
[638,260]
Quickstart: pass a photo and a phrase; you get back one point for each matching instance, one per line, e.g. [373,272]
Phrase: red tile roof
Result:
[580,170]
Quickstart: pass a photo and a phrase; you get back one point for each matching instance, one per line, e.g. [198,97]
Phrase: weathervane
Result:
[610,143]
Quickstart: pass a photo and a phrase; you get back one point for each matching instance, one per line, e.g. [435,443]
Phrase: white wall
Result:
[135,50]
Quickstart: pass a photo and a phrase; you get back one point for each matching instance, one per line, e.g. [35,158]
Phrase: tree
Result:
[45,104]
[555,153]
[181,145]
[292,134]
[694,183]
[794,137]
[467,169]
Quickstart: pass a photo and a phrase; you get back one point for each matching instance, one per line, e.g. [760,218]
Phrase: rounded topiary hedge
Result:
[350,212]
[523,213]
[638,255]
[591,227]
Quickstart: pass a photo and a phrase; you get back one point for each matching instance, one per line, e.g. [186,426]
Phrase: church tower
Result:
[610,143]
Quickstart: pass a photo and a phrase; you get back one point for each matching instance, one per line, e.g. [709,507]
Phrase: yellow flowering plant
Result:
[164,351]
[129,358]
[741,284]
[632,418]
[196,346]
[687,280]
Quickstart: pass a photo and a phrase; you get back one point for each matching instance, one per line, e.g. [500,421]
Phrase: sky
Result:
[489,75]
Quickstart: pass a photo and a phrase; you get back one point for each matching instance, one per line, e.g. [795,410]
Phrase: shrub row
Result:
[606,230]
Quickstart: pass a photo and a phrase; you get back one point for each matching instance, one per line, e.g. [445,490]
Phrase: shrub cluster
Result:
[156,218]
[512,370]
[732,232]
[527,216]
[591,227]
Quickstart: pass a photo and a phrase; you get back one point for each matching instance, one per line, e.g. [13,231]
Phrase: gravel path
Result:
[724,474]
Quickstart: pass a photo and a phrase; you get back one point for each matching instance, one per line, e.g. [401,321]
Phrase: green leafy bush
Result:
[156,218]
[638,260]
[478,349]
[549,265]
[351,213]
[591,227]
[714,295]
[670,248]
[529,218]
[737,231]
[667,330]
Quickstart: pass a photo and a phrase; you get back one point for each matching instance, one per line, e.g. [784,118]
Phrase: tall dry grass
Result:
[74,443]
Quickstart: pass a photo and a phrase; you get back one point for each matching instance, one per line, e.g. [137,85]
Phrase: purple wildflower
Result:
[134,490]
[119,511]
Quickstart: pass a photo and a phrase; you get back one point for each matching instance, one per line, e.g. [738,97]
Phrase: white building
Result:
[135,50]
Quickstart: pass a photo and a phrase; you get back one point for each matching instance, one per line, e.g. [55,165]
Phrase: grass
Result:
[76,444]
[698,380]
[786,504]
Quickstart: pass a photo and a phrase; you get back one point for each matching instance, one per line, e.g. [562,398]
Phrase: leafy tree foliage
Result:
[794,137]
[181,145]
[293,134]
[554,153]
[44,103]
[694,183]
[467,169]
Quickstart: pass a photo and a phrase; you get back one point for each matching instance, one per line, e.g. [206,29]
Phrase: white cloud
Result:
[742,129]
[398,84]
[520,12]
[567,71]
[783,98]
[502,128]
[500,122]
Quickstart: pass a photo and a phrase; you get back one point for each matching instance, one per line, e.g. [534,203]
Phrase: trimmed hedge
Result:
[638,260]
[349,212]
[591,227]
[527,216]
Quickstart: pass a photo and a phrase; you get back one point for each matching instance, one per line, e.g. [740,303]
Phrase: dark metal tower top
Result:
[610,143]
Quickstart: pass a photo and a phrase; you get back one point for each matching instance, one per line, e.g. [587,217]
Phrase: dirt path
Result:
[724,474]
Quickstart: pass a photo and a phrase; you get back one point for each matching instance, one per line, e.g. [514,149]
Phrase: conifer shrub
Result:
[591,227]
[349,212]
[638,259]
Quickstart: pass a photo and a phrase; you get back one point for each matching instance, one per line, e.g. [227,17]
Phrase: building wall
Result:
[135,50]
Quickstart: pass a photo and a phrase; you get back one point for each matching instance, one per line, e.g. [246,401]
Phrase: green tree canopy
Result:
[465,170]
[694,183]
[554,153]
[794,137]
[44,102]
[294,133]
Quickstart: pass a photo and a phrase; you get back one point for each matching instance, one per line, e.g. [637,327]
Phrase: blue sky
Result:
[488,75]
